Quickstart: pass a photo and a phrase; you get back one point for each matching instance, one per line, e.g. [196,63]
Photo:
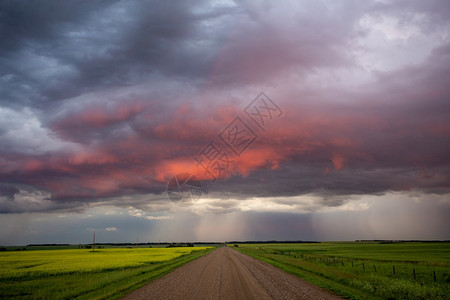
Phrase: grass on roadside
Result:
[365,270]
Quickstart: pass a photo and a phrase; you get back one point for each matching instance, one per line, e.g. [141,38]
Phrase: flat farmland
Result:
[353,270]
[364,270]
[83,274]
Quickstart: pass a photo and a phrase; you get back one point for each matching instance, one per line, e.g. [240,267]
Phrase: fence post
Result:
[434,275]
[364,267]
[414,273]
[352,263]
[393,269]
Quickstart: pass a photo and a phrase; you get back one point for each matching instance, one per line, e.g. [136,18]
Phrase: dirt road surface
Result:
[228,274]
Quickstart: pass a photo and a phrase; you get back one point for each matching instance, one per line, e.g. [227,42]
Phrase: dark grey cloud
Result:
[41,22]
[31,33]
[54,51]
[8,191]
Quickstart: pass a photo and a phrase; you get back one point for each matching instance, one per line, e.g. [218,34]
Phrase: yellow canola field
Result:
[43,263]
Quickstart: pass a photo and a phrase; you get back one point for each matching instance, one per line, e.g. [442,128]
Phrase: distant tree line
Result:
[46,245]
[2,249]
[89,246]
[171,245]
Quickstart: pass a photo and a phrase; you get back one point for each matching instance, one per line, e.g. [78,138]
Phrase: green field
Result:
[83,274]
[365,270]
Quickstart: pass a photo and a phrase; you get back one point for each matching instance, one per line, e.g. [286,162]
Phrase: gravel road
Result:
[228,274]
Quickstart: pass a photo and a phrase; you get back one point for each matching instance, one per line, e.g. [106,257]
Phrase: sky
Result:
[279,120]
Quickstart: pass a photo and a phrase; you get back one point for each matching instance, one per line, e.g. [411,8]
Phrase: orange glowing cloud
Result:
[87,158]
[257,158]
[338,161]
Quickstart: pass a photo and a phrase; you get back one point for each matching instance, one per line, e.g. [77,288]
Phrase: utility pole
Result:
[93,243]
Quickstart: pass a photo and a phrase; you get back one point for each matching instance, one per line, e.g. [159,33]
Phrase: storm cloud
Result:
[103,102]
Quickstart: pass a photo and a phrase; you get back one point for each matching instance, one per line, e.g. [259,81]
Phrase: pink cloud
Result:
[159,147]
